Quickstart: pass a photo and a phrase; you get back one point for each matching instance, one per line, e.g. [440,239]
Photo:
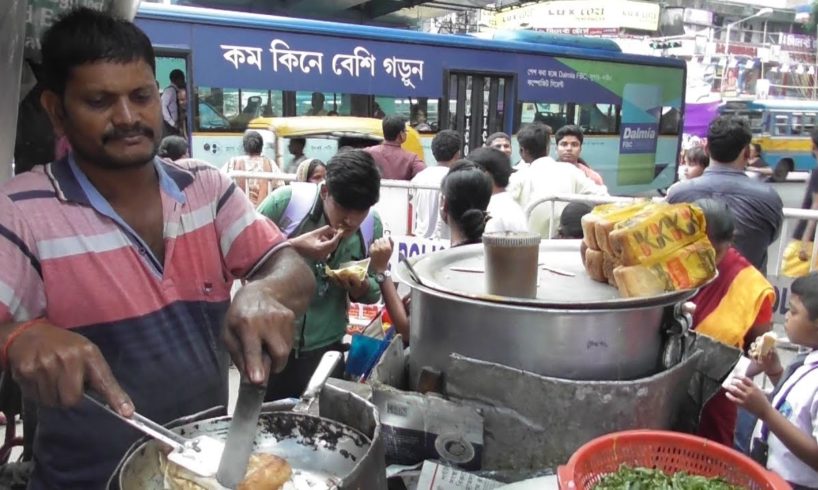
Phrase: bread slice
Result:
[594,264]
[264,472]
[589,230]
[762,346]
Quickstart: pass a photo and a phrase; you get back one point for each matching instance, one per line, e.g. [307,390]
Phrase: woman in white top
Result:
[504,212]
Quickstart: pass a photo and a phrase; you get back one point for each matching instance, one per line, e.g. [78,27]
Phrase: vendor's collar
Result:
[71,184]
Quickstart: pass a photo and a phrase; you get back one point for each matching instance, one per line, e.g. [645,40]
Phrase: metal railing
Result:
[406,188]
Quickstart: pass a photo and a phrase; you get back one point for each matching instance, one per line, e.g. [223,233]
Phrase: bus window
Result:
[236,106]
[781,125]
[597,118]
[319,104]
[808,122]
[422,113]
[802,123]
[555,115]
[670,122]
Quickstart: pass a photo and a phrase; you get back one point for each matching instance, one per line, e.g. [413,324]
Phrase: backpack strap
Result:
[367,231]
[302,200]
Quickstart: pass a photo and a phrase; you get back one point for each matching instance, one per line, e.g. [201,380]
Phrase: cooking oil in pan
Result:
[310,480]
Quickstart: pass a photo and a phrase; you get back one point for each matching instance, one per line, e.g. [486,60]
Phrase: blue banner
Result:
[262,59]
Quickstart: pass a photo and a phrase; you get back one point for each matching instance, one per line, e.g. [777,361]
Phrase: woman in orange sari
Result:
[734,309]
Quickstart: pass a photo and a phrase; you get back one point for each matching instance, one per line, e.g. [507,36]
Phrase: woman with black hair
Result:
[465,193]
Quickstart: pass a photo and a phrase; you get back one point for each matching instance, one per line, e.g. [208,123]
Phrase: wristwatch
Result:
[380,277]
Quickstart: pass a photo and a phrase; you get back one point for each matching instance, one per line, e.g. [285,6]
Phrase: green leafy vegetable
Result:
[628,478]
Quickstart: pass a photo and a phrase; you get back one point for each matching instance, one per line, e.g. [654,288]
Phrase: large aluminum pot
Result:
[574,329]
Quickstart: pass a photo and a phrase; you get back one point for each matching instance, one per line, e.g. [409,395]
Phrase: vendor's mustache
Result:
[122,133]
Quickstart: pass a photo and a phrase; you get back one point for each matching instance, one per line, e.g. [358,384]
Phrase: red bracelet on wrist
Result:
[4,358]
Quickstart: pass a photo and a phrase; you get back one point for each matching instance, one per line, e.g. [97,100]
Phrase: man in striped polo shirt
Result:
[126,262]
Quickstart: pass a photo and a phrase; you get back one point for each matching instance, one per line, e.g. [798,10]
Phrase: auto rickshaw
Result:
[339,131]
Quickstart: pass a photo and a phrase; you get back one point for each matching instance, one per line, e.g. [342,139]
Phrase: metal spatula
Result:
[200,455]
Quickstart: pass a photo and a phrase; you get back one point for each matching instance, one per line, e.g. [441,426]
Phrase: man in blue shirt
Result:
[756,206]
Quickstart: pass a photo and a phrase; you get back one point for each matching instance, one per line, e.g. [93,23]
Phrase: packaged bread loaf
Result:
[606,222]
[602,214]
[656,233]
[604,217]
[686,268]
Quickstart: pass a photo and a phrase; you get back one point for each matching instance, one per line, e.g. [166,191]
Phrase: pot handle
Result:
[328,362]
[209,413]
[283,405]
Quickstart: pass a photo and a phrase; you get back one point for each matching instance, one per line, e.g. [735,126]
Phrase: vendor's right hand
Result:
[54,366]
[317,244]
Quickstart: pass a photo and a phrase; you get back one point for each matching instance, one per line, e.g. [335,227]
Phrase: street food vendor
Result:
[116,266]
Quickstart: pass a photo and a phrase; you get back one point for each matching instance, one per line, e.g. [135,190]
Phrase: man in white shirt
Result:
[446,148]
[545,177]
[505,215]
[170,103]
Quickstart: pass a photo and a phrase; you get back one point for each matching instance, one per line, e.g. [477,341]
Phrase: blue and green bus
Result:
[241,66]
[782,128]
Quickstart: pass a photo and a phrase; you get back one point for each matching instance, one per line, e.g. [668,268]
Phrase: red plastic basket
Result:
[670,452]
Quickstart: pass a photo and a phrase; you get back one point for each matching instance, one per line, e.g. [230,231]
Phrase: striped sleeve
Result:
[22,291]
[246,238]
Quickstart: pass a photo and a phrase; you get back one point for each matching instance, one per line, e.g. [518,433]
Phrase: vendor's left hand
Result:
[743,392]
[258,332]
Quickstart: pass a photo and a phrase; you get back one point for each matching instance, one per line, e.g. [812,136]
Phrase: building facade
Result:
[734,48]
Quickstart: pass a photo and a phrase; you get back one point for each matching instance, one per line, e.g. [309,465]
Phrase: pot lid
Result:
[562,280]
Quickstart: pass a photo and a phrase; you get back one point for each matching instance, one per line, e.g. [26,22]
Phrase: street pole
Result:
[726,61]
[761,13]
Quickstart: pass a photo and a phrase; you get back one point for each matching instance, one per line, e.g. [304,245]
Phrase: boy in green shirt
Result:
[327,234]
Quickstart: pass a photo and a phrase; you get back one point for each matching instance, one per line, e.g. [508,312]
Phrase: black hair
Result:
[698,156]
[393,126]
[569,130]
[84,36]
[721,225]
[496,136]
[782,169]
[727,137]
[299,141]
[571,219]
[806,288]
[446,144]
[314,164]
[173,147]
[468,191]
[252,142]
[757,148]
[535,139]
[353,180]
[814,137]
[494,162]
[177,74]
